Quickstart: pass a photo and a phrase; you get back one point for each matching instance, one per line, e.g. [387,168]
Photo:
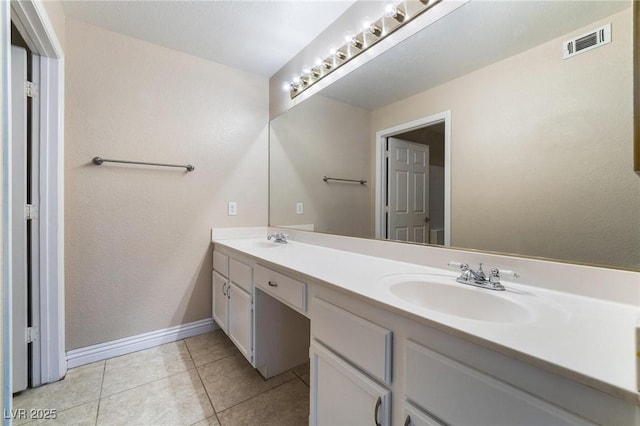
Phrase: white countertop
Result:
[586,339]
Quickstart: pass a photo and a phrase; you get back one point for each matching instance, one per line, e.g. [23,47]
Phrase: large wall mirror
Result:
[477,133]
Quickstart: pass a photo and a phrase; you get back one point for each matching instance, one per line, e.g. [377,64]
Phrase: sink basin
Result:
[451,298]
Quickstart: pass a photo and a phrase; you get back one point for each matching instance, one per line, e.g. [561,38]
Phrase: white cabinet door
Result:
[240,319]
[219,308]
[343,396]
[415,417]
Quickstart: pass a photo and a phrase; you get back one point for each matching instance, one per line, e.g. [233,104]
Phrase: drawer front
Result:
[221,263]
[458,394]
[240,274]
[286,289]
[360,341]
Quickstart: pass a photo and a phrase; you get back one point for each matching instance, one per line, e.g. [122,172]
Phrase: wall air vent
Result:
[591,40]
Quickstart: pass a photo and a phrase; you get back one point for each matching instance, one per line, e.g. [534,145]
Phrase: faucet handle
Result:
[497,273]
[458,265]
[509,273]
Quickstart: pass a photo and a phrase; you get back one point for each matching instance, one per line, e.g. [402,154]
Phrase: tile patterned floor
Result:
[203,380]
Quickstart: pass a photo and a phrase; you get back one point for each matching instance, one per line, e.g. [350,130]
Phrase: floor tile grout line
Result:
[303,382]
[260,393]
[147,383]
[58,411]
[104,371]
[202,383]
[216,360]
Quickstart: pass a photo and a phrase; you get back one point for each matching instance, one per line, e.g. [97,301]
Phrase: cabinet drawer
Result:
[458,394]
[221,263]
[286,289]
[240,274]
[360,341]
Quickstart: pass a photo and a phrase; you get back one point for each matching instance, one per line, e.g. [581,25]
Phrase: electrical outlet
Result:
[232,208]
[299,208]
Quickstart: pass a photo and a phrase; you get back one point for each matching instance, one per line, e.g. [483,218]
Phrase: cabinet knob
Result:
[273,284]
[376,411]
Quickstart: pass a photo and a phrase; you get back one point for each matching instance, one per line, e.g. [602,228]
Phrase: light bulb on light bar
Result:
[375,30]
[286,87]
[390,11]
[306,71]
[341,55]
[318,62]
[296,80]
[355,42]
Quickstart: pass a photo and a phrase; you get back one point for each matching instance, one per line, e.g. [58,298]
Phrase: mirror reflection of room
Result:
[541,142]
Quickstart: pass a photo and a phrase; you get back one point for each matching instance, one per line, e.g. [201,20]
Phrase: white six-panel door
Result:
[408,191]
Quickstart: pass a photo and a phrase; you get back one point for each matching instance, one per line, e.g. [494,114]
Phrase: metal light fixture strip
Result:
[377,31]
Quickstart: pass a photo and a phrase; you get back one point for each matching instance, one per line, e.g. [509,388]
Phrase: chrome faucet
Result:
[479,278]
[278,238]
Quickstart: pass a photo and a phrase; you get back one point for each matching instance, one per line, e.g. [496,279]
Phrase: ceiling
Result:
[254,36]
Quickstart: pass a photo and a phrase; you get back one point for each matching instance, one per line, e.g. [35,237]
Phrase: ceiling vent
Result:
[584,43]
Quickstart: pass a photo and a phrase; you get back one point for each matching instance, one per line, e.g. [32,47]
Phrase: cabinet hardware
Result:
[273,284]
[224,288]
[376,411]
[407,421]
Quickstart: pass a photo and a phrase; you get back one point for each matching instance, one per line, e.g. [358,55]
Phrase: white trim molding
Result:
[127,345]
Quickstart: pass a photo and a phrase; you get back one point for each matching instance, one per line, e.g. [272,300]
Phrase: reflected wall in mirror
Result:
[541,147]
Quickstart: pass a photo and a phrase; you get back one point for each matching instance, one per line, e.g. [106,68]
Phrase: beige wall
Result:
[321,137]
[57,18]
[138,252]
[542,152]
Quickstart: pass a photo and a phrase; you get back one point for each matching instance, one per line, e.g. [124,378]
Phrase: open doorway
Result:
[413,181]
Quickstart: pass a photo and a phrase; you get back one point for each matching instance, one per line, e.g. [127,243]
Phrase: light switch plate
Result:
[232,208]
[299,208]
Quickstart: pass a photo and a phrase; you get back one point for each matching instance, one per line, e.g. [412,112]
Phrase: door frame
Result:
[381,171]
[32,21]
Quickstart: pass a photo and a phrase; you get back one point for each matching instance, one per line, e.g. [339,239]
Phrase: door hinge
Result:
[30,89]
[387,154]
[386,209]
[33,334]
[30,212]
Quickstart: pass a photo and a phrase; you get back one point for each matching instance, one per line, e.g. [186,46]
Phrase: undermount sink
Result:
[436,293]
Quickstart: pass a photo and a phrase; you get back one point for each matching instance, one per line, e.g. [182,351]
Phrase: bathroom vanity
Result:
[402,343]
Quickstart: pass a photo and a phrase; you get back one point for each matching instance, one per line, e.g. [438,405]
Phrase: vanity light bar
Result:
[394,17]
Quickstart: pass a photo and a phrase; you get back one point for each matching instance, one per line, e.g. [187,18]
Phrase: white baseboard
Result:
[89,354]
